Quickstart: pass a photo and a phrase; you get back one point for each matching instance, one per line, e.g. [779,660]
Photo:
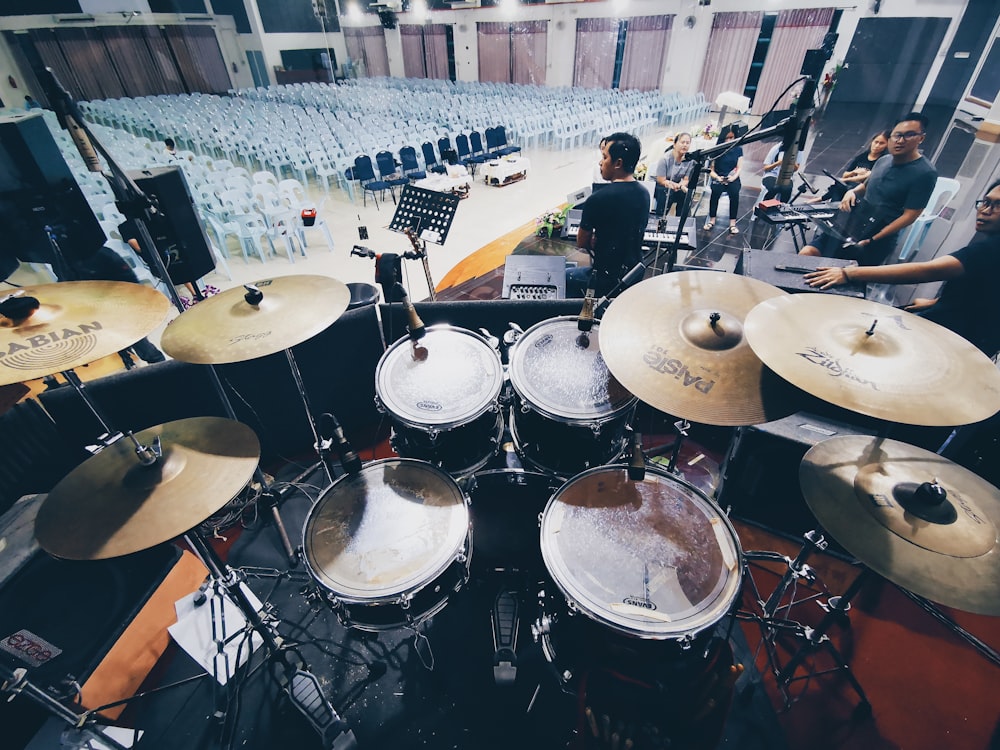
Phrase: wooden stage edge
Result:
[485,259]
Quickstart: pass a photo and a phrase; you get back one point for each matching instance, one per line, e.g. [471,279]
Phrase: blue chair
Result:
[409,164]
[476,147]
[500,133]
[387,172]
[465,157]
[430,159]
[365,174]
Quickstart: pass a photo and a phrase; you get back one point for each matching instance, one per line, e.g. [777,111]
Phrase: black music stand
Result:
[425,215]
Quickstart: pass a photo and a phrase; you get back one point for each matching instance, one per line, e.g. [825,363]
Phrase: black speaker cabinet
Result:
[760,475]
[785,271]
[40,201]
[177,231]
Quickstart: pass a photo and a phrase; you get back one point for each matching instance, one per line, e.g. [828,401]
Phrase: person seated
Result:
[725,173]
[772,167]
[671,176]
[858,168]
[967,303]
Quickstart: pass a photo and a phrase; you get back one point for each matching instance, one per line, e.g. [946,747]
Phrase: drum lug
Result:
[595,427]
[525,407]
[433,435]
[404,601]
[379,406]
[685,642]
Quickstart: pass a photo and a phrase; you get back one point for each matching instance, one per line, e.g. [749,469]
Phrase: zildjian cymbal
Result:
[112,505]
[263,318]
[874,359]
[910,515]
[57,327]
[676,342]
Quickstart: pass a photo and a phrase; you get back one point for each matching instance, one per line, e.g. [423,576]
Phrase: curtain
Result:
[596,46]
[795,32]
[645,52]
[199,58]
[84,52]
[52,56]
[367,44]
[730,52]
[529,44]
[163,60]
[494,51]
[132,59]
[425,50]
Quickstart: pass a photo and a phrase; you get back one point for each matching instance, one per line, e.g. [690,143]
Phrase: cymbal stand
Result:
[773,617]
[301,685]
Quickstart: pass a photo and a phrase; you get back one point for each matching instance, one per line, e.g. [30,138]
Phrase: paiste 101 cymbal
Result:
[879,500]
[232,327]
[111,505]
[874,359]
[676,342]
[75,323]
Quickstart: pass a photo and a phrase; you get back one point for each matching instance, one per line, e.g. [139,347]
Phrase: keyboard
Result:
[798,214]
[651,238]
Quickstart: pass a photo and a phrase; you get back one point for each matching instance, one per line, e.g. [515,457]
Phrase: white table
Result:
[504,171]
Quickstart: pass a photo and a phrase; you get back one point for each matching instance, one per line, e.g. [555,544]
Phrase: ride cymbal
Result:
[233,326]
[73,324]
[874,359]
[111,505]
[910,515]
[676,342]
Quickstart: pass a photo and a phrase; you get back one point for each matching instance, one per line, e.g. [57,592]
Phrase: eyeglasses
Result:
[987,205]
[904,136]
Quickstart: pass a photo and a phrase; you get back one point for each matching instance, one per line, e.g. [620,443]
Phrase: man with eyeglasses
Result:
[968,302]
[893,196]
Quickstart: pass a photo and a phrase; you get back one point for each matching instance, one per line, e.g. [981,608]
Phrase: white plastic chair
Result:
[945,188]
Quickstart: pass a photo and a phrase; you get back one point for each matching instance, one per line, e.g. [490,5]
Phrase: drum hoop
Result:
[521,448]
[393,597]
[548,411]
[428,423]
[726,595]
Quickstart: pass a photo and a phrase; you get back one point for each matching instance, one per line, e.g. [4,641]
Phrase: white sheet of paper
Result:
[193,633]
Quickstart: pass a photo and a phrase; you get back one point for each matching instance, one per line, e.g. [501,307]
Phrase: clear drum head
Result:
[651,559]
[386,531]
[456,378]
[561,372]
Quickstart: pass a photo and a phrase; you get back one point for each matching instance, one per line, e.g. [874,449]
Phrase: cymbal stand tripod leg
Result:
[773,618]
[301,685]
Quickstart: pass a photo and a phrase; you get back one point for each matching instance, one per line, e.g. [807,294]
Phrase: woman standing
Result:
[672,175]
[725,174]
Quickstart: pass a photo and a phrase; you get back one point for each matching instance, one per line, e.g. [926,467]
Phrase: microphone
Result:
[69,119]
[637,464]
[798,125]
[348,458]
[415,326]
[585,321]
[362,251]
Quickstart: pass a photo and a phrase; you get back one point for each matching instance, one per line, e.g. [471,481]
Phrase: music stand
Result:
[426,215]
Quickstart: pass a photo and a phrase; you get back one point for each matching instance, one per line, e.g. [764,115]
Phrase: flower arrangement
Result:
[709,132]
[641,169]
[551,222]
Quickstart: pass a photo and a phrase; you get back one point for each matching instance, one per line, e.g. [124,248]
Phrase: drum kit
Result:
[639,556]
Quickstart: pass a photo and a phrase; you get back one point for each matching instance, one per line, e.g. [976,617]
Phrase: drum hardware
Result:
[505,627]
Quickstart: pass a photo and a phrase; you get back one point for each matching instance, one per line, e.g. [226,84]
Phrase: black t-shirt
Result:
[727,162]
[861,161]
[969,305]
[617,215]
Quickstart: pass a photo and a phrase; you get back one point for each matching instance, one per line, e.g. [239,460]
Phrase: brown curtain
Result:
[794,32]
[367,44]
[199,58]
[52,56]
[425,50]
[163,59]
[529,46]
[645,52]
[596,45]
[730,52]
[494,51]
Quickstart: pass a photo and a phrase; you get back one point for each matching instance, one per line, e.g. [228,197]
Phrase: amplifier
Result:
[785,271]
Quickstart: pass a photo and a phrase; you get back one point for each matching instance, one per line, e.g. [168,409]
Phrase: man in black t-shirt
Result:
[613,221]
[968,303]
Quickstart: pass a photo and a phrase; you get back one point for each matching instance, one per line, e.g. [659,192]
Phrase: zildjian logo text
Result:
[53,337]
[662,363]
[834,367]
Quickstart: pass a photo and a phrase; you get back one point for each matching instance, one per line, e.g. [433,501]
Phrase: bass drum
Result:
[570,412]
[442,396]
[645,568]
[389,544]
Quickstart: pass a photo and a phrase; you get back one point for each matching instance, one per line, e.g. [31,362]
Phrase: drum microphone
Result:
[637,463]
[69,119]
[348,458]
[415,327]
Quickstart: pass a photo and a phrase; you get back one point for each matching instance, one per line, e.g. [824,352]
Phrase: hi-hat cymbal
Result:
[867,493]
[110,505]
[676,342]
[75,323]
[226,327]
[874,359]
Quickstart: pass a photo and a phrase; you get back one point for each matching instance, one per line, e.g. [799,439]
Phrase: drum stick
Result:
[591,721]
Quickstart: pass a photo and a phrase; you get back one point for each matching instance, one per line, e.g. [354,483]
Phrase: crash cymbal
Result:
[879,500]
[874,359]
[662,341]
[231,327]
[74,323]
[110,505]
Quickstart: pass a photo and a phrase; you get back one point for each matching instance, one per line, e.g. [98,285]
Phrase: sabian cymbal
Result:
[110,505]
[874,359]
[226,327]
[75,323]
[865,491]
[662,341]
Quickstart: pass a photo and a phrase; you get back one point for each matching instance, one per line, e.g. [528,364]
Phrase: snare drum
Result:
[389,544]
[645,567]
[443,398]
[571,413]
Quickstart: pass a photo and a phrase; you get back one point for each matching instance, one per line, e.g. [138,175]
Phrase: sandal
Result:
[734,230]
[708,225]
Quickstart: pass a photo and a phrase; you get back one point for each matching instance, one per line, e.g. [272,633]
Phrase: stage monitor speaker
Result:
[761,470]
[178,231]
[785,271]
[40,201]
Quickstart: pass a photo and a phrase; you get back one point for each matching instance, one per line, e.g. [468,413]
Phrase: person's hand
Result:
[683,187]
[825,277]
[920,303]
[850,198]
